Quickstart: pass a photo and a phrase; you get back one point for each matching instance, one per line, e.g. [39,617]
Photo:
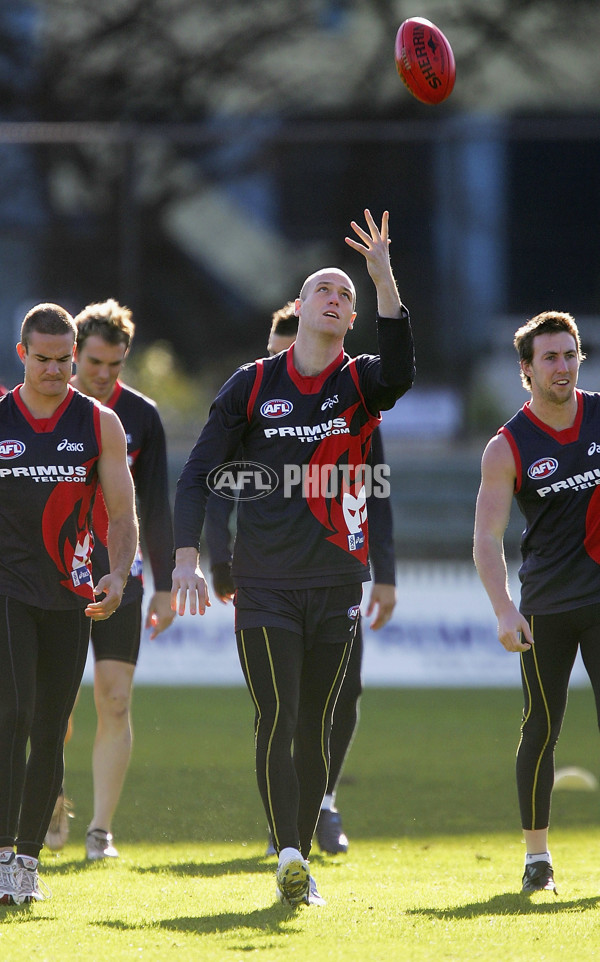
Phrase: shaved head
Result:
[331,274]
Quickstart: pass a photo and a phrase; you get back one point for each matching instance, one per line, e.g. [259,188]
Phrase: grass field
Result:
[429,803]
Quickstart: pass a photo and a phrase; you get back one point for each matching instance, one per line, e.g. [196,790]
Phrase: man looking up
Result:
[300,554]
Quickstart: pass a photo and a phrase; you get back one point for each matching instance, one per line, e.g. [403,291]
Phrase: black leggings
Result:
[545,672]
[294,691]
[42,658]
[345,719]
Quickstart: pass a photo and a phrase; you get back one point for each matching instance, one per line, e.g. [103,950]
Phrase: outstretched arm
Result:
[393,370]
[375,249]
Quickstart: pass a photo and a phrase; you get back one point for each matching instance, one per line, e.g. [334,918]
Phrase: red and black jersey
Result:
[48,480]
[312,437]
[557,490]
[219,539]
[147,458]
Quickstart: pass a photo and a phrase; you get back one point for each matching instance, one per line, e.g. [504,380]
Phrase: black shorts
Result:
[326,615]
[118,637]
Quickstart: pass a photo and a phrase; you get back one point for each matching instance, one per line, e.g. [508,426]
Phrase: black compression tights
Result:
[545,673]
[42,657]
[346,714]
[294,693]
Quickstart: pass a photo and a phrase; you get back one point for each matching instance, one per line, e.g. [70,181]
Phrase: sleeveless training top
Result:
[558,474]
[48,478]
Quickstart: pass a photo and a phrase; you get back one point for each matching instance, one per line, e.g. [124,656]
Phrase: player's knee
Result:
[114,703]
[541,734]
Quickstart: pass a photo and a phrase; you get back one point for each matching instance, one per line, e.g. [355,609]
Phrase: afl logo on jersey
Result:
[11,449]
[542,468]
[276,408]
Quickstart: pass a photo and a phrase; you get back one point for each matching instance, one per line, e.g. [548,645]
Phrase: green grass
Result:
[429,803]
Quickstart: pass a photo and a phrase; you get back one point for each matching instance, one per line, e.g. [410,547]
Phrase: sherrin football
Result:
[424,60]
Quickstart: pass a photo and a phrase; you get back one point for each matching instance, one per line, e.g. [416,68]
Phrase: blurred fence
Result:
[442,634]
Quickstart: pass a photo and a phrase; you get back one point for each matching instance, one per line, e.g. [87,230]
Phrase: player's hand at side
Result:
[189,584]
[111,586]
[160,614]
[514,632]
[382,602]
[223,585]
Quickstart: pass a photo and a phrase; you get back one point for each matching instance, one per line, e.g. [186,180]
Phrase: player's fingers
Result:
[361,233]
[186,594]
[159,623]
[370,221]
[202,595]
[525,635]
[99,612]
[384,616]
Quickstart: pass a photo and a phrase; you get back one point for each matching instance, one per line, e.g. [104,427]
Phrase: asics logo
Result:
[66,445]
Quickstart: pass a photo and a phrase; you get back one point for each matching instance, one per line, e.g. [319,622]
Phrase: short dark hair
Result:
[548,322]
[47,319]
[284,322]
[107,319]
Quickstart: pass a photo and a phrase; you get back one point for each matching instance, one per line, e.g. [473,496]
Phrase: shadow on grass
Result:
[56,867]
[510,904]
[22,913]
[259,864]
[236,866]
[274,920]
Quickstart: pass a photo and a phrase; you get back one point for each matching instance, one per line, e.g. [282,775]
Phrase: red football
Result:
[424,60]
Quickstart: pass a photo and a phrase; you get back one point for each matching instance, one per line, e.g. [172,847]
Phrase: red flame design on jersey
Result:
[64,508]
[342,449]
[592,527]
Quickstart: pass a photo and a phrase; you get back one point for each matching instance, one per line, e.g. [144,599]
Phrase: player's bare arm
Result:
[117,489]
[492,514]
[189,583]
[375,249]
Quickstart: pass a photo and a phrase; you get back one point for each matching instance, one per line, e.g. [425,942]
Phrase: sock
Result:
[328,803]
[287,853]
[538,857]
